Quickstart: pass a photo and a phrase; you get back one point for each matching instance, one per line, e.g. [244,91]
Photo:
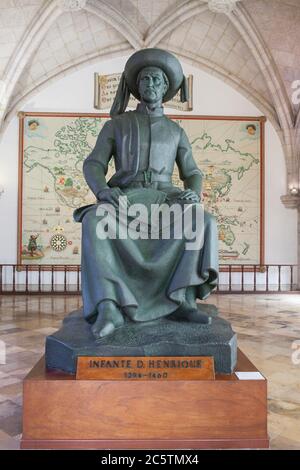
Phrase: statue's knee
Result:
[90,220]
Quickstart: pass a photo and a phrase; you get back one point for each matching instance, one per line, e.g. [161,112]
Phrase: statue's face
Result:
[152,85]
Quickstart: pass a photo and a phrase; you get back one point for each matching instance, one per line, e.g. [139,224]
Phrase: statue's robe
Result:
[149,274]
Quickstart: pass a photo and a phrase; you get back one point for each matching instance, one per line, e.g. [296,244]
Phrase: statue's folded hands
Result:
[189,195]
[112,196]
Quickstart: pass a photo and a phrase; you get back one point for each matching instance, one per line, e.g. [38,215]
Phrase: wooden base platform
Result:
[61,412]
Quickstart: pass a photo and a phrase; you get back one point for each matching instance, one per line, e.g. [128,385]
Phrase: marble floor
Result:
[268,328]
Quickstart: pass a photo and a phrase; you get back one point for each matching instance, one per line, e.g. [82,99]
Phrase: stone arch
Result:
[231,80]
[29,93]
[242,21]
[38,28]
[207,66]
[111,16]
[26,47]
[172,20]
[244,24]
[239,18]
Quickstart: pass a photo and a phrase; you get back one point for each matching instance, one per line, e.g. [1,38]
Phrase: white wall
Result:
[74,93]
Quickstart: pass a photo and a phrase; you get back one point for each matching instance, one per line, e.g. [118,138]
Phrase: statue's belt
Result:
[148,176]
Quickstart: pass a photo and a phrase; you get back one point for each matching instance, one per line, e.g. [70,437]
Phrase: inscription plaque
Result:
[145,368]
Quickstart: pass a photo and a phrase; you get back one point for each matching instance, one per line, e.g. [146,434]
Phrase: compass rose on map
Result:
[58,241]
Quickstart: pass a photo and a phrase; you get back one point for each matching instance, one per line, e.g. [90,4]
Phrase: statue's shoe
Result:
[187,312]
[109,318]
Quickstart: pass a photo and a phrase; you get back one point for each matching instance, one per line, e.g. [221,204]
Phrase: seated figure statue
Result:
[144,279]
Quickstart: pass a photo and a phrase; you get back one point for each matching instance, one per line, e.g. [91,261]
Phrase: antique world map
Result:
[228,151]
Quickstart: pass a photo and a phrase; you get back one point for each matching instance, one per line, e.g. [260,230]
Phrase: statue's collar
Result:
[156,112]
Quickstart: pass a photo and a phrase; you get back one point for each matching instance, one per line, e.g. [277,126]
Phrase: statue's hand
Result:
[111,195]
[189,195]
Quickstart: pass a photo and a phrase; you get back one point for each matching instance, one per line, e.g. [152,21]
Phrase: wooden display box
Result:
[61,412]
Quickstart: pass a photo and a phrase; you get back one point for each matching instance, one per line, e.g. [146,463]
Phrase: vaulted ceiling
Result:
[250,44]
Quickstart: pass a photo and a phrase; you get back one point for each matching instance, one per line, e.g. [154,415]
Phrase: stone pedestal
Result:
[163,337]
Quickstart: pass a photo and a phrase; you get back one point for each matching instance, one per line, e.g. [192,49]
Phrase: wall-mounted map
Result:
[229,151]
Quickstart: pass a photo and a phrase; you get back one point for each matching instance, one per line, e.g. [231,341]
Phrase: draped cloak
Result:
[151,275]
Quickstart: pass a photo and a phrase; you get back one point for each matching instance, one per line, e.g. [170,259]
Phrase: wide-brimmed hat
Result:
[166,61]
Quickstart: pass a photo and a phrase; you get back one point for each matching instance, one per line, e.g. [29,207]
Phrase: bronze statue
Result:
[144,279]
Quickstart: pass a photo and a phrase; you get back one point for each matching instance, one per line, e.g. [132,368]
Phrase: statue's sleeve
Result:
[184,158]
[95,165]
